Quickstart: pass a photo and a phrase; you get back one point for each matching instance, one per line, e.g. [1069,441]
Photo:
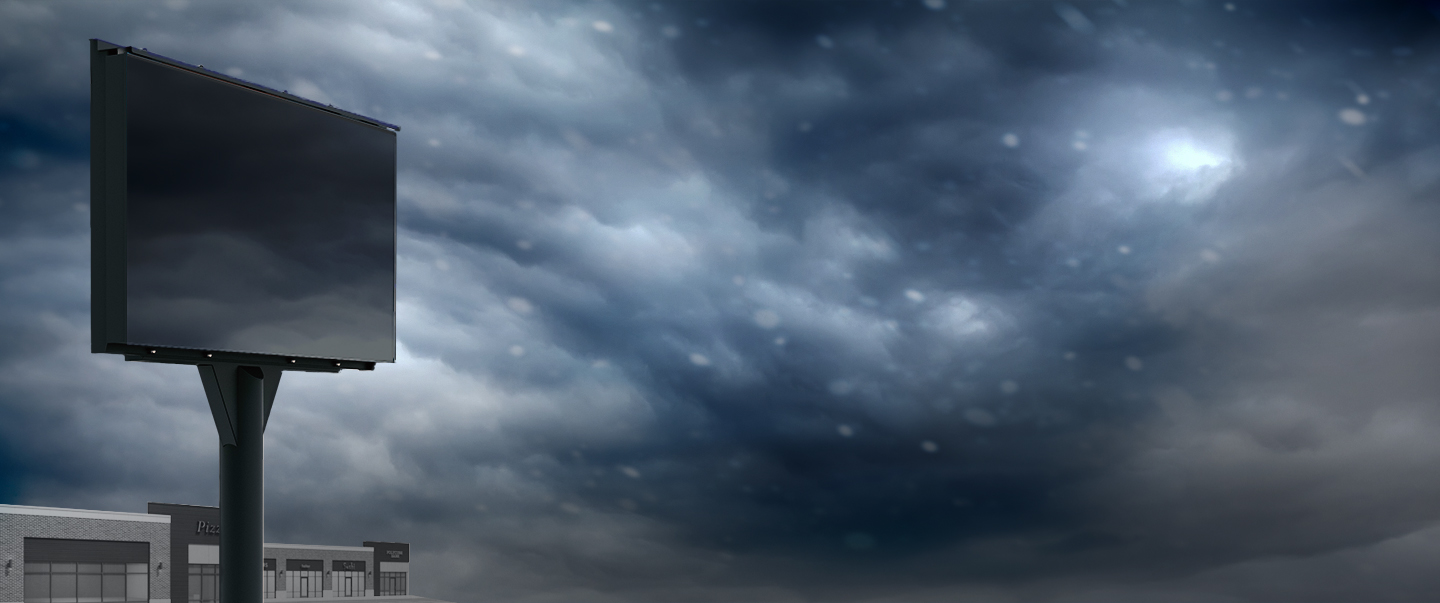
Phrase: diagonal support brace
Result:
[221,390]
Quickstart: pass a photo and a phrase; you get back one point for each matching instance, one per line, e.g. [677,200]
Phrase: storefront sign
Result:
[304,565]
[205,527]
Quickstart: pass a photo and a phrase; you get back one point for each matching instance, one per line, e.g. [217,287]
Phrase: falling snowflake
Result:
[520,305]
[979,417]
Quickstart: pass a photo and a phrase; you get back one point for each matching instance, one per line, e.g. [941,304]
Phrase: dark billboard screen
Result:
[252,222]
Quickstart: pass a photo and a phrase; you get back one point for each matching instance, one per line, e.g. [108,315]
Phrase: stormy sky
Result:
[721,301]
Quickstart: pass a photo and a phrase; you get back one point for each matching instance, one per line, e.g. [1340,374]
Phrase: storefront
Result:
[348,578]
[308,571]
[171,554]
[392,561]
[74,556]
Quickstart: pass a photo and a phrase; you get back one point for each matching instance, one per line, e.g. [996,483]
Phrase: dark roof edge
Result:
[180,505]
[141,52]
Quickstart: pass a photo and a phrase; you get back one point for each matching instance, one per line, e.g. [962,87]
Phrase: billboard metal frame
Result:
[109,201]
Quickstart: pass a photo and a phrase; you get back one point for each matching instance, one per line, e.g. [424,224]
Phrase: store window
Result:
[204,583]
[305,583]
[86,582]
[269,578]
[348,584]
[347,577]
[391,583]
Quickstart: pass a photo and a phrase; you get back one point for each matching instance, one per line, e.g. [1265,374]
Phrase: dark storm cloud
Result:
[917,300]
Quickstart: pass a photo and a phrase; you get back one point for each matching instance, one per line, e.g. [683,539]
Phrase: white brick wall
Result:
[20,523]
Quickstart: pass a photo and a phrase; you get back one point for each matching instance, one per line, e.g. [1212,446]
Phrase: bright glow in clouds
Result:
[1185,166]
[1185,156]
[962,318]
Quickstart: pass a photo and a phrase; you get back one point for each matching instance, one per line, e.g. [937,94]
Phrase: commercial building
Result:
[171,553]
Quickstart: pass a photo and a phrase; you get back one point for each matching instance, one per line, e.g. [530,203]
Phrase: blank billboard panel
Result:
[238,219]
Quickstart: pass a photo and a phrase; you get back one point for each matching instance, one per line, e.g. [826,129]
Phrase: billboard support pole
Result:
[240,400]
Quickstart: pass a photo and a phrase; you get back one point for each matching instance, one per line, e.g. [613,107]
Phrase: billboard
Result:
[234,222]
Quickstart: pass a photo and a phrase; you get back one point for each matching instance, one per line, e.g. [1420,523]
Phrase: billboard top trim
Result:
[141,52]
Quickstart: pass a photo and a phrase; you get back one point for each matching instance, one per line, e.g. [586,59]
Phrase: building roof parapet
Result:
[320,547]
[83,513]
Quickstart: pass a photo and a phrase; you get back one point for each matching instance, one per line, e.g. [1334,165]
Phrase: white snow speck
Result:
[979,416]
[520,305]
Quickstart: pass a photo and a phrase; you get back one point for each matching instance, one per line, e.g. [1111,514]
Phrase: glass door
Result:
[204,583]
